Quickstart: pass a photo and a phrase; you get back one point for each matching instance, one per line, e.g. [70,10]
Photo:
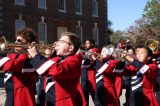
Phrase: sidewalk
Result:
[2,96]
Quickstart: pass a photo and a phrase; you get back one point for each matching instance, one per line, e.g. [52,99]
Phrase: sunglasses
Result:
[19,40]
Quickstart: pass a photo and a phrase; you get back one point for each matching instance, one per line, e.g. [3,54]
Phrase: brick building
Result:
[50,18]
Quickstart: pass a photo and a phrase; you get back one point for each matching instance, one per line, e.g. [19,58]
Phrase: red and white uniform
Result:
[118,85]
[106,94]
[143,81]
[157,60]
[88,80]
[65,74]
[20,80]
[92,80]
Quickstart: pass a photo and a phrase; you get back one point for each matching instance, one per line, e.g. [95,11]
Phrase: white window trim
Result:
[45,31]
[45,7]
[18,3]
[64,11]
[17,21]
[95,15]
[80,13]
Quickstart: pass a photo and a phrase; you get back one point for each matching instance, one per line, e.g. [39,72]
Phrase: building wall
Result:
[1,17]
[31,14]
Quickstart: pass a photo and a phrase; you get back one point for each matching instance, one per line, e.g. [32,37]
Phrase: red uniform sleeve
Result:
[152,72]
[111,66]
[130,70]
[69,68]
[15,64]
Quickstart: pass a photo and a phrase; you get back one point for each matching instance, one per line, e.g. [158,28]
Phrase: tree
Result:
[109,24]
[152,12]
[116,36]
[148,27]
[109,29]
[141,31]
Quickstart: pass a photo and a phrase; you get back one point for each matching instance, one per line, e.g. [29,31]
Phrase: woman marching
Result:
[20,79]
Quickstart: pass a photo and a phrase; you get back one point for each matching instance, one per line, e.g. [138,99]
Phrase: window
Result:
[79,32]
[60,30]
[94,8]
[95,35]
[42,4]
[19,2]
[42,31]
[19,24]
[78,6]
[61,5]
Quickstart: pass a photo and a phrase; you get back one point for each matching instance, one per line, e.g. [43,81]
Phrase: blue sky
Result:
[123,13]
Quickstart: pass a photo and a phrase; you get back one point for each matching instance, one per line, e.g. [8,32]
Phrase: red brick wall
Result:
[32,15]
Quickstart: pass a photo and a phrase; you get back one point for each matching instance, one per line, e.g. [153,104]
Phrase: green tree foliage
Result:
[109,24]
[109,29]
[141,31]
[148,27]
[152,12]
[116,36]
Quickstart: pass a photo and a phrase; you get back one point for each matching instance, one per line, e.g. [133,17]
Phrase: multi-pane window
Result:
[79,32]
[94,8]
[78,6]
[42,4]
[42,30]
[62,5]
[19,2]
[19,24]
[95,35]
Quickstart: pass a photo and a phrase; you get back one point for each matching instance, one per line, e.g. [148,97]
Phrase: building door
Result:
[60,30]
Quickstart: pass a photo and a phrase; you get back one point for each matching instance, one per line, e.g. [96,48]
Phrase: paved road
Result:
[122,99]
[3,96]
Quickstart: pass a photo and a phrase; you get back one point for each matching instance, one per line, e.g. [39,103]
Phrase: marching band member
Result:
[143,72]
[153,45]
[158,79]
[64,71]
[106,94]
[118,85]
[41,95]
[127,79]
[88,73]
[20,80]
[120,44]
